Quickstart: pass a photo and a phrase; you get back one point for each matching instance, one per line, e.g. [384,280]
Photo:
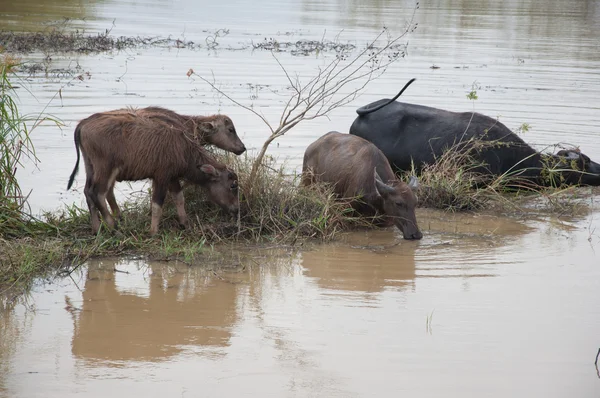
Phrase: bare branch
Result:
[214,87]
[322,93]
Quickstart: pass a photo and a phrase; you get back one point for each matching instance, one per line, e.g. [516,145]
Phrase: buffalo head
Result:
[221,133]
[222,187]
[399,203]
[578,168]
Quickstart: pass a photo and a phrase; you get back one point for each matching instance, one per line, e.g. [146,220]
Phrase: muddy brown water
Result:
[482,306]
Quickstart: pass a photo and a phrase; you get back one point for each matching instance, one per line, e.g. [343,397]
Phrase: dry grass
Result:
[279,210]
[454,182]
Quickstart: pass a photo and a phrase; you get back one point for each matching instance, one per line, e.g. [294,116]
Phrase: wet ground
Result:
[482,306]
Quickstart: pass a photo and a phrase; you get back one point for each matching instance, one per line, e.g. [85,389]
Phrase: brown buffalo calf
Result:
[118,146]
[357,169]
[217,130]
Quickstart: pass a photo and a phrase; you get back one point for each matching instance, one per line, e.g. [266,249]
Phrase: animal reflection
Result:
[181,309]
[362,269]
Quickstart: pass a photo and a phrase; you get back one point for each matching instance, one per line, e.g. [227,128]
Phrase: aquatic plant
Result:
[15,144]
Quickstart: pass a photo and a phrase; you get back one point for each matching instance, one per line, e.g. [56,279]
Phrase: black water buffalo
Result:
[359,171]
[409,133]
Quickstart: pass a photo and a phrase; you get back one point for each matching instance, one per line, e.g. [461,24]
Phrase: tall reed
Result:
[15,145]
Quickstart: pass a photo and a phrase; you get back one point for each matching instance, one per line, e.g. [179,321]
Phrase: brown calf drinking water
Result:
[129,146]
[358,169]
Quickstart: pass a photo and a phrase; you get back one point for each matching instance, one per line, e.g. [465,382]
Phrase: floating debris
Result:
[59,41]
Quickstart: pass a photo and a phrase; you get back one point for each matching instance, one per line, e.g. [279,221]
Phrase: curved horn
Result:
[413,183]
[381,187]
[365,110]
[377,178]
[572,155]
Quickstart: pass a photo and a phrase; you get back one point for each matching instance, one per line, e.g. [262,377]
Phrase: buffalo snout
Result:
[240,150]
[233,209]
[416,235]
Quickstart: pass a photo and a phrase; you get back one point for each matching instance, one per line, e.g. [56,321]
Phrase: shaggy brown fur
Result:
[217,130]
[119,146]
[360,171]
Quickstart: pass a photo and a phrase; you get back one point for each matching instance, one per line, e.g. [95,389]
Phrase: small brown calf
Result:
[125,146]
[217,130]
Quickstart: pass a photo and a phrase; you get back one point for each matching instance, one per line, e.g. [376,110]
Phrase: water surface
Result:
[481,306]
[471,310]
[528,64]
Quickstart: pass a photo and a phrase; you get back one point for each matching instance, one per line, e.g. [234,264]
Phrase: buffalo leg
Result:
[112,201]
[159,192]
[110,194]
[177,191]
[89,198]
[99,191]
[88,191]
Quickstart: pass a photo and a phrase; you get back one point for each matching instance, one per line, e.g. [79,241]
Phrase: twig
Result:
[596,363]
[214,87]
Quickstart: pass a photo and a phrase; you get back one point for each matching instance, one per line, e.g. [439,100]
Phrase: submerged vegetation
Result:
[61,40]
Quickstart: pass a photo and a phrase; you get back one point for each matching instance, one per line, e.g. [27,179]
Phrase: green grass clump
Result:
[14,144]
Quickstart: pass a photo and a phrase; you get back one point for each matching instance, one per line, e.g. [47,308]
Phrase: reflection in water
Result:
[9,339]
[388,261]
[370,315]
[182,307]
[362,270]
[519,19]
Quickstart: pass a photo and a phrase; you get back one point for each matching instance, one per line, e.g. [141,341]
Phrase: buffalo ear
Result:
[573,155]
[209,169]
[207,127]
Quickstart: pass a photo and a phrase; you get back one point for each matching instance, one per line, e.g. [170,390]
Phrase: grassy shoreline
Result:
[276,209]
[280,210]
